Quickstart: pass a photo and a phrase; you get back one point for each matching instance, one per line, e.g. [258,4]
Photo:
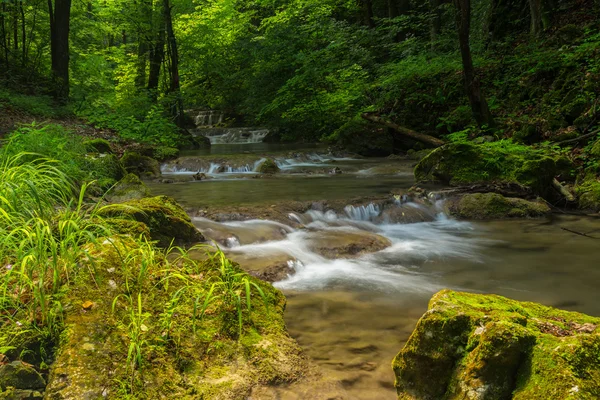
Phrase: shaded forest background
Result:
[306,67]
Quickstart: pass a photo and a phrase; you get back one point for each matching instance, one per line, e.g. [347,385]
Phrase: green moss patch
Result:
[496,206]
[465,163]
[487,346]
[589,193]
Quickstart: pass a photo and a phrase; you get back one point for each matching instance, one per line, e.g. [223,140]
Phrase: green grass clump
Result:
[70,151]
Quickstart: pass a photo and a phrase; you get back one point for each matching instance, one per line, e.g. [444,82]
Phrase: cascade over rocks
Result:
[483,347]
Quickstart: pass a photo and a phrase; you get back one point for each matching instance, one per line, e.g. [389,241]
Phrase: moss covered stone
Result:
[473,346]
[142,166]
[496,206]
[467,163]
[269,166]
[98,146]
[165,219]
[128,188]
[20,376]
[589,193]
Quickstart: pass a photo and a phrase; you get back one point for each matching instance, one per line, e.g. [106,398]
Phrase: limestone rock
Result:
[496,206]
[483,347]
[334,244]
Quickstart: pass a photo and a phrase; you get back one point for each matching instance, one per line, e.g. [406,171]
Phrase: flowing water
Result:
[354,312]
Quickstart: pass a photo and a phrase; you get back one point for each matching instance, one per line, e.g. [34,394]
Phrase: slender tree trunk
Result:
[366,7]
[15,29]
[157,55]
[174,84]
[435,27]
[535,9]
[4,33]
[479,106]
[144,33]
[23,35]
[392,9]
[59,35]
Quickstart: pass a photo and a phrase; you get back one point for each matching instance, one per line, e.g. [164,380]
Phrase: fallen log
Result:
[409,133]
[563,190]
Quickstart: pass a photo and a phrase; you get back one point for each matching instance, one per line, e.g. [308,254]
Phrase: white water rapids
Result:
[395,268]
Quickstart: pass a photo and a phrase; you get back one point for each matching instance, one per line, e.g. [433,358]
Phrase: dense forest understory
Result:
[109,292]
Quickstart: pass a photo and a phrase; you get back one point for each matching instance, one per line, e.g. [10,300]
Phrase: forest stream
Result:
[352,315]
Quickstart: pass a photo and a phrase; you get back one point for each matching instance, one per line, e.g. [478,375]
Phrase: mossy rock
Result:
[142,166]
[105,169]
[588,193]
[595,150]
[128,188]
[467,163]
[496,206]
[474,346]
[20,376]
[165,219]
[98,146]
[269,166]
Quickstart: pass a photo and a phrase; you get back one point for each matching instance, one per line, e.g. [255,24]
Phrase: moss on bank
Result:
[589,192]
[472,346]
[182,355]
[465,163]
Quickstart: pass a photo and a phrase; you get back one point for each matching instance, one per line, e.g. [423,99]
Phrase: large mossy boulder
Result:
[142,166]
[496,206]
[165,219]
[467,163]
[487,347]
[98,145]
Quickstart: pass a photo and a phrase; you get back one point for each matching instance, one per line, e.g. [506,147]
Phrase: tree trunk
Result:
[535,9]
[59,36]
[23,35]
[409,133]
[174,84]
[367,13]
[144,35]
[157,54]
[4,33]
[479,106]
[436,20]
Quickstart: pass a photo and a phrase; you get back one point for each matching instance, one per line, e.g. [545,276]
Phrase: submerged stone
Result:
[496,206]
[480,347]
[346,243]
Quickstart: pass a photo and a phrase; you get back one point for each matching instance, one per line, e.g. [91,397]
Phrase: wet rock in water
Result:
[480,347]
[407,214]
[496,206]
[200,176]
[165,220]
[335,171]
[269,166]
[272,268]
[128,188]
[246,232]
[20,375]
[340,243]
[142,166]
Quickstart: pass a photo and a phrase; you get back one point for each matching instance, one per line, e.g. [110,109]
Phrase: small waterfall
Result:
[362,213]
[208,118]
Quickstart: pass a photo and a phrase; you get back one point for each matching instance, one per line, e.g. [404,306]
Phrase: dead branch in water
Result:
[409,133]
